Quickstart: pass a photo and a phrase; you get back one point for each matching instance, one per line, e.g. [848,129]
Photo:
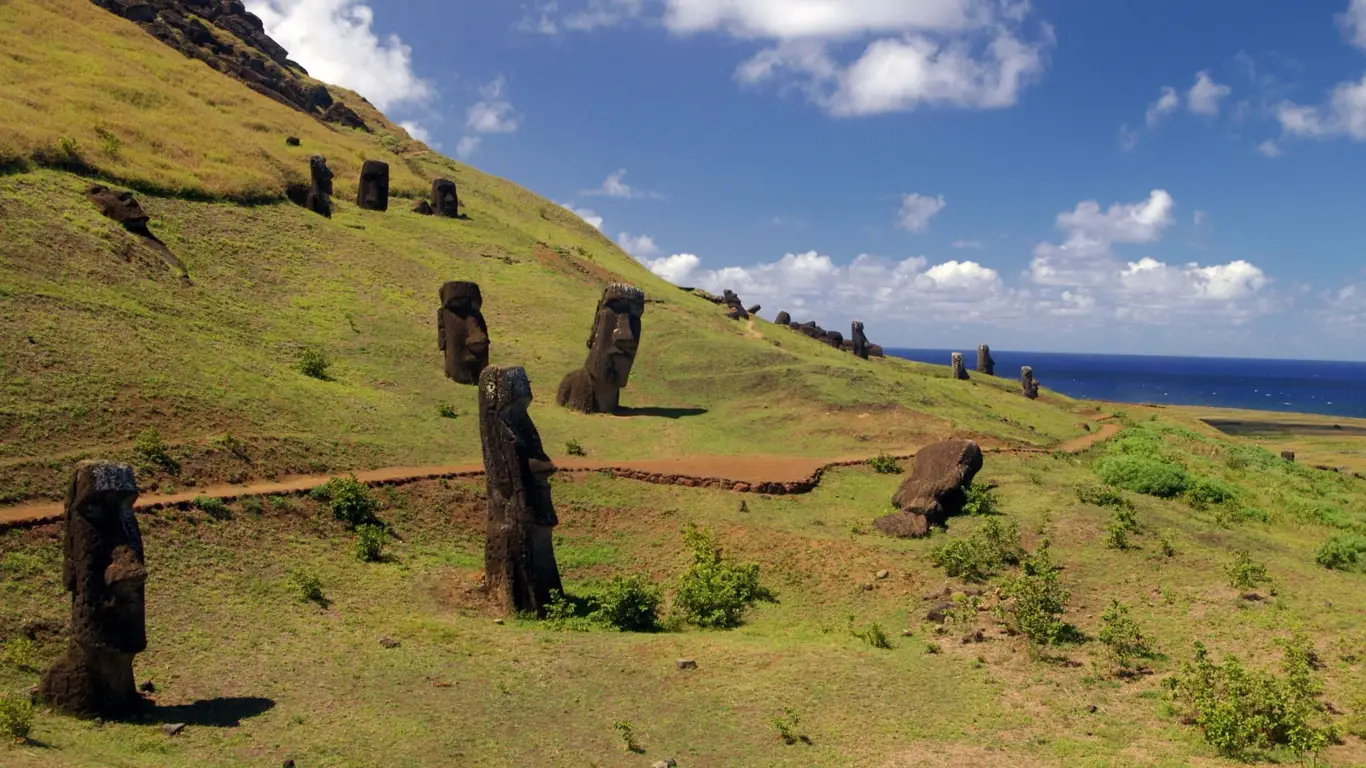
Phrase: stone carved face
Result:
[374,186]
[616,334]
[322,175]
[512,438]
[104,566]
[444,199]
[466,340]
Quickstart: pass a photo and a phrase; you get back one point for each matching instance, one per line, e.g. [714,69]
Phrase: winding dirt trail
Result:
[746,474]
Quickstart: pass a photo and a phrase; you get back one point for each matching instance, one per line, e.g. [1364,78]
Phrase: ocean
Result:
[1299,386]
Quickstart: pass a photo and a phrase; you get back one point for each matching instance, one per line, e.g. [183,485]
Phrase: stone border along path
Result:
[779,475]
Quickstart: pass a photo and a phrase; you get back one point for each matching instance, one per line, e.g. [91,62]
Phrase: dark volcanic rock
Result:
[783,318]
[341,114]
[1029,385]
[1288,455]
[445,202]
[936,489]
[462,334]
[292,141]
[372,193]
[858,341]
[319,199]
[612,346]
[423,208]
[960,371]
[985,363]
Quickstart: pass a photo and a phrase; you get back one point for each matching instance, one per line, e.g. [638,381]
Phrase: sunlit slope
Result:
[98,340]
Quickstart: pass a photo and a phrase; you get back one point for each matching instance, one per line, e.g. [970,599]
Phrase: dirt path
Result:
[762,474]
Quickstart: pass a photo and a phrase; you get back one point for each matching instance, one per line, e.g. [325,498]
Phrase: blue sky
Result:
[1163,178]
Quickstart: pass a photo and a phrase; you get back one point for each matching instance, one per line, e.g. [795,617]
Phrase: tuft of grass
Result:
[573,448]
[873,635]
[1244,572]
[16,717]
[786,726]
[447,411]
[17,653]
[213,507]
[885,465]
[626,732]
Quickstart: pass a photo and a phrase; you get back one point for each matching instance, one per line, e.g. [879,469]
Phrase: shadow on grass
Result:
[227,712]
[661,413]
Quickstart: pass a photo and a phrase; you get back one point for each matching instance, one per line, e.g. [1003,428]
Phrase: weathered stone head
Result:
[372,194]
[122,207]
[1028,384]
[444,200]
[105,571]
[936,489]
[985,363]
[860,346]
[612,347]
[783,318]
[960,371]
[834,339]
[519,557]
[320,187]
[461,332]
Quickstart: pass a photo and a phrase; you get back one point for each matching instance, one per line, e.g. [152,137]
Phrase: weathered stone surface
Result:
[1288,455]
[104,570]
[292,141]
[519,557]
[860,341]
[960,370]
[445,202]
[686,663]
[985,363]
[754,309]
[341,114]
[612,347]
[121,207]
[736,309]
[423,208]
[1029,385]
[372,193]
[461,333]
[834,339]
[735,313]
[935,490]
[319,199]
[875,350]
[783,318]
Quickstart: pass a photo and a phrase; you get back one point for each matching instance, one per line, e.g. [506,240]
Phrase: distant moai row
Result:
[857,343]
[372,191]
[986,364]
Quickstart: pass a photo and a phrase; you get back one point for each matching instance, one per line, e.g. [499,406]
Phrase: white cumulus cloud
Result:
[586,214]
[640,246]
[615,186]
[1269,148]
[465,148]
[417,131]
[1204,97]
[492,113]
[1344,114]
[917,210]
[1166,103]
[336,41]
[1353,23]
[676,268]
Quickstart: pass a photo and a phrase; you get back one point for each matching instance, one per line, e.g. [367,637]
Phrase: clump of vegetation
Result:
[628,604]
[1100,496]
[314,363]
[1342,553]
[370,540]
[16,717]
[873,634]
[1143,474]
[964,610]
[1244,572]
[786,726]
[572,448]
[627,733]
[714,593]
[18,654]
[1242,711]
[1241,457]
[349,499]
[1165,545]
[152,449]
[309,585]
[980,556]
[1123,640]
[981,500]
[1206,492]
[884,465]
[447,411]
[1122,523]
[213,507]
[253,506]
[567,613]
[109,143]
[1035,600]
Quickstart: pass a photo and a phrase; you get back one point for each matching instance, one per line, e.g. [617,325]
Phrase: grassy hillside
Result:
[98,341]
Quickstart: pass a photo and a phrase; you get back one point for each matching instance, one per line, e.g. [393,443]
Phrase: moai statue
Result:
[596,387]
[834,339]
[1288,456]
[860,341]
[320,190]
[736,309]
[444,200]
[1028,384]
[960,371]
[985,363]
[105,572]
[783,318]
[519,555]
[461,332]
[373,191]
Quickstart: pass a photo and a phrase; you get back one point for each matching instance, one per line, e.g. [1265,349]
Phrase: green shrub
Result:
[1122,523]
[314,363]
[566,613]
[253,506]
[1100,496]
[628,604]
[1243,711]
[1035,600]
[627,733]
[1249,456]
[1165,545]
[714,593]
[152,449]
[370,540]
[16,717]
[1244,572]
[981,500]
[963,612]
[786,726]
[349,499]
[572,448]
[17,653]
[873,635]
[1342,553]
[1143,474]
[980,556]
[884,465]
[446,411]
[213,507]
[310,586]
[1123,640]
[1206,492]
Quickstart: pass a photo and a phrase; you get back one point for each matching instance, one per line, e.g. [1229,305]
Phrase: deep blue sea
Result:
[1301,386]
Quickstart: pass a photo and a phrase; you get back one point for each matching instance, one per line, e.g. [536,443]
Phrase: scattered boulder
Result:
[686,663]
[612,347]
[388,642]
[445,202]
[960,371]
[172,729]
[1288,455]
[292,141]
[701,294]
[985,363]
[121,207]
[670,763]
[936,489]
[148,687]
[939,612]
[372,193]
[783,318]
[884,574]
[343,115]
[1029,385]
[423,208]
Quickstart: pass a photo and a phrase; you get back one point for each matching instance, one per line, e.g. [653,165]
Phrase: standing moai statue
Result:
[985,363]
[783,318]
[461,332]
[1028,384]
[519,556]
[860,340]
[444,200]
[612,346]
[960,371]
[372,194]
[105,571]
[319,198]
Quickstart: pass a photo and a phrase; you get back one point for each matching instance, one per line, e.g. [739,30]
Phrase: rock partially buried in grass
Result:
[936,489]
[612,346]
[445,202]
[372,193]
[686,664]
[173,729]
[423,208]
[1288,455]
[292,141]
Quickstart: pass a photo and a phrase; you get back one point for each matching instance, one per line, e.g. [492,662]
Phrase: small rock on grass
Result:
[497,621]
[670,763]
[148,687]
[389,642]
[173,729]
[686,663]
[883,574]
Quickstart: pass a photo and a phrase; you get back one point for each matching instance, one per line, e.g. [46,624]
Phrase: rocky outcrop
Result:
[936,489]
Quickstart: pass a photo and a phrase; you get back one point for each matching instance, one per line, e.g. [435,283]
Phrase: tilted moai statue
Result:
[612,345]
[960,371]
[444,200]
[860,340]
[461,332]
[105,571]
[1028,384]
[519,555]
[372,194]
[320,188]
[985,363]
[783,318]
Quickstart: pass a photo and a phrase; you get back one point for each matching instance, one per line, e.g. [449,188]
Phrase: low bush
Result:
[715,593]
[1123,640]
[885,465]
[572,448]
[1122,523]
[1244,572]
[1143,474]
[309,585]
[1342,553]
[349,499]
[213,507]
[370,540]
[627,733]
[16,717]
[981,500]
[1035,600]
[152,449]
[1101,496]
[315,364]
[1206,492]
[629,604]
[786,726]
[447,411]
[873,634]
[980,556]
